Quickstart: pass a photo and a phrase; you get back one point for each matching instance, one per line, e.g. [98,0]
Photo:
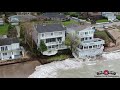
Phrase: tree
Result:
[72,40]
[42,47]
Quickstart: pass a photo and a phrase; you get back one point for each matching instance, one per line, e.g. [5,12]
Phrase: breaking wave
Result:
[50,70]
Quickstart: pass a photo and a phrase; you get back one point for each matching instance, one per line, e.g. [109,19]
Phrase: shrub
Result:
[42,47]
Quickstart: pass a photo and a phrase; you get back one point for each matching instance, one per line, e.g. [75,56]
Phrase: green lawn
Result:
[66,23]
[102,20]
[4,29]
[103,35]
[118,17]
[58,57]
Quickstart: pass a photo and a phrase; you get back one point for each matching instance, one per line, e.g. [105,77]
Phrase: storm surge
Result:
[72,68]
[50,70]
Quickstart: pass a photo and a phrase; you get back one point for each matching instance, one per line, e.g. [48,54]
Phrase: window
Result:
[51,33]
[6,48]
[60,33]
[59,38]
[81,47]
[53,46]
[94,46]
[82,39]
[89,32]
[86,38]
[85,47]
[37,40]
[42,35]
[2,48]
[98,45]
[51,40]
[90,46]
[4,54]
[90,37]
[86,33]
[49,47]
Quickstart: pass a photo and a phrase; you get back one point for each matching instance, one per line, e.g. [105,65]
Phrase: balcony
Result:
[95,41]
[18,49]
[54,43]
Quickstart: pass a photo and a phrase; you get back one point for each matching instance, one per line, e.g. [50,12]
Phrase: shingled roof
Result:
[8,41]
[49,27]
[53,15]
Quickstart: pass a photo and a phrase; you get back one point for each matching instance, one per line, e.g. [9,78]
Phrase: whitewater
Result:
[73,68]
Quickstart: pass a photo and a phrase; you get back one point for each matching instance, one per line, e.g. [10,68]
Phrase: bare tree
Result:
[72,41]
[28,29]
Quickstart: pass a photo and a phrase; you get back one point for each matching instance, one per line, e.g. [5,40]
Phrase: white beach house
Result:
[110,15]
[89,46]
[53,36]
[10,48]
[13,20]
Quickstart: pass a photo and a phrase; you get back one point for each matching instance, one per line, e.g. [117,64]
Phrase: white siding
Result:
[15,46]
[55,34]
[88,30]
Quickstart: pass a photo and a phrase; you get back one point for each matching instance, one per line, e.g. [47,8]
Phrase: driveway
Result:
[18,31]
[108,24]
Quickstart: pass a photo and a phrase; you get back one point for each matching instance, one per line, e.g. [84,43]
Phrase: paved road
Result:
[108,24]
[18,31]
[100,25]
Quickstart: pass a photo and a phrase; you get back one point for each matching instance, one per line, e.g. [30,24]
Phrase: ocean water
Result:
[72,68]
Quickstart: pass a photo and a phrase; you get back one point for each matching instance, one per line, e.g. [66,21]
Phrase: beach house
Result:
[53,36]
[109,15]
[89,46]
[10,49]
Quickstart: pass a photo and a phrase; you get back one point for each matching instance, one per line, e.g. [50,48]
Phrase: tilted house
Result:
[53,36]
[89,46]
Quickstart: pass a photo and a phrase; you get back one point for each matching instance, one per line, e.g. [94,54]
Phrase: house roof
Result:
[53,15]
[49,27]
[80,27]
[94,13]
[8,41]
